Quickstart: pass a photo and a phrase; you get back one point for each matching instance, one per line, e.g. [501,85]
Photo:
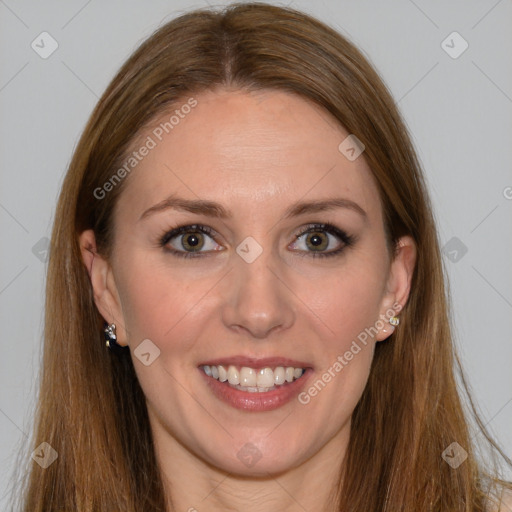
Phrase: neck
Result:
[194,485]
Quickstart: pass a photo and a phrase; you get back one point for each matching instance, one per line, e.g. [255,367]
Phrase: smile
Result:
[253,380]
[255,385]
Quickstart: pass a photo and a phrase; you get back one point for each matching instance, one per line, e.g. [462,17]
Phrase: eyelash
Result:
[348,240]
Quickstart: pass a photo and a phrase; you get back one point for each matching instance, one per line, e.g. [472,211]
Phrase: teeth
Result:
[233,376]
[249,379]
[223,374]
[279,375]
[265,378]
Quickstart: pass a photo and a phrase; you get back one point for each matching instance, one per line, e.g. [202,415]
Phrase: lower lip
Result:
[258,401]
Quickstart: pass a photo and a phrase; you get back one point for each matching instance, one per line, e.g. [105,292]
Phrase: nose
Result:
[258,300]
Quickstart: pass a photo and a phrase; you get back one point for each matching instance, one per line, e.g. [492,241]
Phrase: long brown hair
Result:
[91,409]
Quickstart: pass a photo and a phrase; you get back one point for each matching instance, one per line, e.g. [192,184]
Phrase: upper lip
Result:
[255,362]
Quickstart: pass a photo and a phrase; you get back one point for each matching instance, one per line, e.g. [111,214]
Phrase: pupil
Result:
[192,240]
[316,240]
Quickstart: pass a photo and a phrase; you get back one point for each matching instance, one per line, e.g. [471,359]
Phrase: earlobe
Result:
[105,293]
[398,285]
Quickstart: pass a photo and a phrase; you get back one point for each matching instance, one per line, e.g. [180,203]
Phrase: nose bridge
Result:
[257,300]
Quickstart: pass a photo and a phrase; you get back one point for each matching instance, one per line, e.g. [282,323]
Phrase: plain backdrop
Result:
[456,101]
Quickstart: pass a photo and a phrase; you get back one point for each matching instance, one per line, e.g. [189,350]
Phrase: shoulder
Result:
[500,501]
[506,501]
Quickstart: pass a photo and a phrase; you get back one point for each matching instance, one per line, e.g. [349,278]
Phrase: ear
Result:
[398,285]
[103,284]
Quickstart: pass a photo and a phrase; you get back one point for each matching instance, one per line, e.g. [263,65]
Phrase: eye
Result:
[319,240]
[316,240]
[185,241]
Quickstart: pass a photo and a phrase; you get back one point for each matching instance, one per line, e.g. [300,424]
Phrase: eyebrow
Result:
[213,209]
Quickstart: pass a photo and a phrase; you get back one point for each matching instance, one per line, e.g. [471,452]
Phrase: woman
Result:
[245,221]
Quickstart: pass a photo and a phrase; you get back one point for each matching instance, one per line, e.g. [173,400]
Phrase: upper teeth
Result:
[249,377]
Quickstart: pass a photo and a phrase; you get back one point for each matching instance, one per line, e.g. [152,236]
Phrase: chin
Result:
[257,459]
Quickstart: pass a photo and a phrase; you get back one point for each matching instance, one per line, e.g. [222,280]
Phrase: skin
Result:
[256,154]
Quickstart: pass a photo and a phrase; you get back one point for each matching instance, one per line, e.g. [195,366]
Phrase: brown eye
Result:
[318,241]
[192,241]
[322,240]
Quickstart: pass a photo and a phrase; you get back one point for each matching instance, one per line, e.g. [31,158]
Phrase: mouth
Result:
[263,385]
[253,380]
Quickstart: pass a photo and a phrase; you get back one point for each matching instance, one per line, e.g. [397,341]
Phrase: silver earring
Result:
[394,320]
[111,339]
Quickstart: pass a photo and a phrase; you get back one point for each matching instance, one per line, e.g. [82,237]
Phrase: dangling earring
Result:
[111,339]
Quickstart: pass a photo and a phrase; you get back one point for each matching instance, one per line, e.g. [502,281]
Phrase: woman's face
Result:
[253,176]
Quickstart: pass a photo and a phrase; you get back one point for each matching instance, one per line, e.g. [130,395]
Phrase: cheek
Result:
[348,308]
[347,302]
[172,307]
[156,301]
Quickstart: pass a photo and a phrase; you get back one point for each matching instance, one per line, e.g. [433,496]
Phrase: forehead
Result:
[249,150]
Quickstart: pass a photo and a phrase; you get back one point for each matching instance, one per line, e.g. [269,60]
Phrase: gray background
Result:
[458,111]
